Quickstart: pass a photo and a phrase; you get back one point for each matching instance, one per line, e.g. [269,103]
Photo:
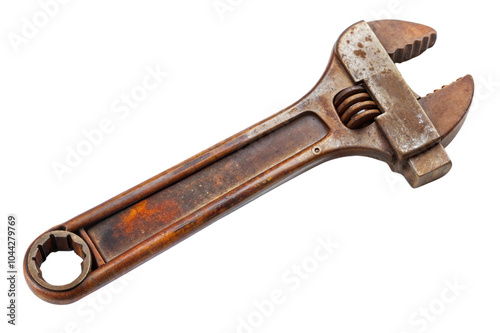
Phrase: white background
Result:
[398,246]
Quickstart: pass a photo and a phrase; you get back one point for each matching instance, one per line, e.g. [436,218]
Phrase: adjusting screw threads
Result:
[355,107]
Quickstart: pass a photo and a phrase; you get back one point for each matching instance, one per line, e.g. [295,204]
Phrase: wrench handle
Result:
[146,220]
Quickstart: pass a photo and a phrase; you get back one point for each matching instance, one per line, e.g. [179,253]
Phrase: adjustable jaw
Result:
[417,129]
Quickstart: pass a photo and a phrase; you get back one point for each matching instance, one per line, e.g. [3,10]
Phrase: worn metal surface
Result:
[129,227]
[342,115]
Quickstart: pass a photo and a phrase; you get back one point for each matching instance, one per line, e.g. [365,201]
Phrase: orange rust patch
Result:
[360,53]
[141,215]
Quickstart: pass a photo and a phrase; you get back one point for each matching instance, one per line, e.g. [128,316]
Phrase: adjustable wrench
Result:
[360,106]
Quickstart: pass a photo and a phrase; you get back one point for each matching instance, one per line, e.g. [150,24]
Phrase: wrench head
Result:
[446,107]
[416,129]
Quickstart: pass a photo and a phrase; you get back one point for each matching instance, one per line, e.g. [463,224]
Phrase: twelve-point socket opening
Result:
[55,241]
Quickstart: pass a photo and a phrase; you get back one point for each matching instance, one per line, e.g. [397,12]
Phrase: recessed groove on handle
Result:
[127,228]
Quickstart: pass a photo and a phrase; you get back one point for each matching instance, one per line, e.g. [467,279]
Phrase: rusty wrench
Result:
[361,106]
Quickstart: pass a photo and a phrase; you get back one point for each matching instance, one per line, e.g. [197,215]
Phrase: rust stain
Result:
[360,53]
[141,215]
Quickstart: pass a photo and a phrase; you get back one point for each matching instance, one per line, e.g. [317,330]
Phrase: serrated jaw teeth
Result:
[413,50]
